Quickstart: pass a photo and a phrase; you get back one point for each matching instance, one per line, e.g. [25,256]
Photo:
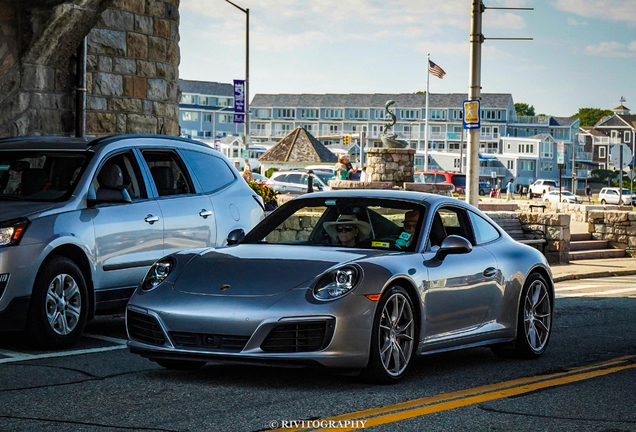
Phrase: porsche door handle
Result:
[205,213]
[490,272]
[151,219]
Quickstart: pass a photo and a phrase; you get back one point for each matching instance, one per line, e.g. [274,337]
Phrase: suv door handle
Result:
[205,213]
[490,272]
[151,219]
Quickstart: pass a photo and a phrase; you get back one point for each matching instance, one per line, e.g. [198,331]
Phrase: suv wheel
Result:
[603,201]
[59,305]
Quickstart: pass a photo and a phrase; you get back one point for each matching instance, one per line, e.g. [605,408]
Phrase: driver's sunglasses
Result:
[409,224]
[345,228]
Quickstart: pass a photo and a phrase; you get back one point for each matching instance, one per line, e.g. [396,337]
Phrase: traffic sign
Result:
[560,152]
[472,114]
[615,155]
[631,174]
[493,174]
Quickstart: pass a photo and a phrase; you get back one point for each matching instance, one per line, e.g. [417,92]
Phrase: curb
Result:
[600,274]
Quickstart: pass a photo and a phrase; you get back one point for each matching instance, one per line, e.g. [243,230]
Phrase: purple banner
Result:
[239,118]
[239,96]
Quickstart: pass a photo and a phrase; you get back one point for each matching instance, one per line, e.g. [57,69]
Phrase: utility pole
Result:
[474,93]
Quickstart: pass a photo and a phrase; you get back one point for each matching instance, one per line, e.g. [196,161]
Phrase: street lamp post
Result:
[214,122]
[247,71]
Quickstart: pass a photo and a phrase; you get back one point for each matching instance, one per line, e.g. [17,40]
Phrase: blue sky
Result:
[583,53]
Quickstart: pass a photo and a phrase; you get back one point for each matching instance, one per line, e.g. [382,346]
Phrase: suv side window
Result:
[121,172]
[440,178]
[168,173]
[211,171]
[293,178]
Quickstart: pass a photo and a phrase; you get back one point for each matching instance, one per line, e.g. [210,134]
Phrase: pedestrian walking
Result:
[524,191]
[588,193]
[510,189]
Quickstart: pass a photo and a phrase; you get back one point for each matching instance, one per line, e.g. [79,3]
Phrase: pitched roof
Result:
[563,121]
[591,131]
[376,100]
[206,88]
[629,119]
[299,146]
[621,107]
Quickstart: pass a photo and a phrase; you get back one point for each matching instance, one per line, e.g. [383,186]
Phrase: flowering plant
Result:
[268,194]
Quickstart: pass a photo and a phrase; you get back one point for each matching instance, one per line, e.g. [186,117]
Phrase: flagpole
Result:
[428,74]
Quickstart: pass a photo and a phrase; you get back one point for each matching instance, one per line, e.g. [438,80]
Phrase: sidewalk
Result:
[595,268]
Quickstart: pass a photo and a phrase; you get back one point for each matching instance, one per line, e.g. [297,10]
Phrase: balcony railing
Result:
[606,140]
[436,135]
[489,150]
[583,156]
[260,132]
[580,173]
[487,171]
[453,135]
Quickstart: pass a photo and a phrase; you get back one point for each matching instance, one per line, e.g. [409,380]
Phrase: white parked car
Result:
[610,195]
[541,187]
[565,197]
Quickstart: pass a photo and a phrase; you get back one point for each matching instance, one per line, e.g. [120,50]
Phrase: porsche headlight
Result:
[337,283]
[157,273]
[12,231]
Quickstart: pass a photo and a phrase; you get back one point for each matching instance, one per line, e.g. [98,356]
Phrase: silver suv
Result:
[81,223]
[296,181]
[610,195]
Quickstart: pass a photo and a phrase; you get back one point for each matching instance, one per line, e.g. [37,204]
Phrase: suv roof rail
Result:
[114,138]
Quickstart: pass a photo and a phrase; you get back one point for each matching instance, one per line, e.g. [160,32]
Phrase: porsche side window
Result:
[484,231]
[448,221]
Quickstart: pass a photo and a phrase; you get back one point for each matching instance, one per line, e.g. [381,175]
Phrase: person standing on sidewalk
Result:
[510,188]
[588,192]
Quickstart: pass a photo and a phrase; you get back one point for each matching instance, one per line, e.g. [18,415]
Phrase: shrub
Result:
[268,194]
[270,171]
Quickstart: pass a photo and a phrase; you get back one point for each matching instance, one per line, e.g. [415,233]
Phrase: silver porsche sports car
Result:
[349,279]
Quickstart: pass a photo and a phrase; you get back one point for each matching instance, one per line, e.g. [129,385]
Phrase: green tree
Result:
[523,109]
[603,175]
[591,116]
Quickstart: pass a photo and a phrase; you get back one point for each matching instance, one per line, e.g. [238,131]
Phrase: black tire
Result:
[603,202]
[481,192]
[376,371]
[183,365]
[59,305]
[540,323]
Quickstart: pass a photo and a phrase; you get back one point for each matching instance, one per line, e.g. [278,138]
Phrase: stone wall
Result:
[578,212]
[132,66]
[390,164]
[555,227]
[296,227]
[617,227]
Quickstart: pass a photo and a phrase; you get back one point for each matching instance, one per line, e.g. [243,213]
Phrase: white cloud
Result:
[611,49]
[571,21]
[632,46]
[615,10]
[503,20]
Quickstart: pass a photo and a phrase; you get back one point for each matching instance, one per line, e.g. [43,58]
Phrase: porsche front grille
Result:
[144,328]
[209,341]
[299,337]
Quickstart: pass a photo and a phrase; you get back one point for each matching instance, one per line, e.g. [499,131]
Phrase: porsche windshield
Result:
[39,175]
[343,222]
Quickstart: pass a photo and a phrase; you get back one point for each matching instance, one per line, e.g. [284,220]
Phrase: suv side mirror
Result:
[108,195]
[235,236]
[453,245]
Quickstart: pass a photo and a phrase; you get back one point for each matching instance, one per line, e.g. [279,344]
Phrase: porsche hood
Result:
[260,270]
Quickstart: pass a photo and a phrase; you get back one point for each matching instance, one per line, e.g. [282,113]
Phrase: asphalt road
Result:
[584,382]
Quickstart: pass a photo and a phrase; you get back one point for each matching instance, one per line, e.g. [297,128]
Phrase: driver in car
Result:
[348,230]
[409,224]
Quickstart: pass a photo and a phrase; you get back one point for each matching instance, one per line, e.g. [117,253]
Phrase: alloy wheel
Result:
[537,315]
[396,334]
[63,304]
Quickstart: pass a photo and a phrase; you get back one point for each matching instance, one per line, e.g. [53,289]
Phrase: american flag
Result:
[436,70]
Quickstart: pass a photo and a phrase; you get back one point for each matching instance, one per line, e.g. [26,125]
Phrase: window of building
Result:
[601,166]
[261,113]
[308,127]
[485,131]
[511,164]
[358,114]
[437,114]
[286,127]
[286,113]
[207,118]
[203,100]
[410,114]
[226,118]
[489,114]
[546,150]
[309,113]
[207,134]
[525,165]
[190,116]
[225,101]
[560,133]
[189,99]
[333,114]
[334,129]
[456,163]
[601,152]
[627,136]
[546,166]
[260,126]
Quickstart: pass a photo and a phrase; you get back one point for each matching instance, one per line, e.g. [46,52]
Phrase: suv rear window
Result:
[458,181]
[549,183]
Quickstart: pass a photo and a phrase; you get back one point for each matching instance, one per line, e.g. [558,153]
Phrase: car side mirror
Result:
[108,195]
[453,245]
[235,236]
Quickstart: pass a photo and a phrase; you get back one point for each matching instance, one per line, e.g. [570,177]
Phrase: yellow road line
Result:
[466,393]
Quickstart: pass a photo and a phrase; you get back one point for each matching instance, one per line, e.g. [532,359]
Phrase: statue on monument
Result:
[390,140]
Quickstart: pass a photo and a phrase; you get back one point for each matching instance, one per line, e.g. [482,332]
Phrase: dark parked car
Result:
[82,221]
[348,279]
